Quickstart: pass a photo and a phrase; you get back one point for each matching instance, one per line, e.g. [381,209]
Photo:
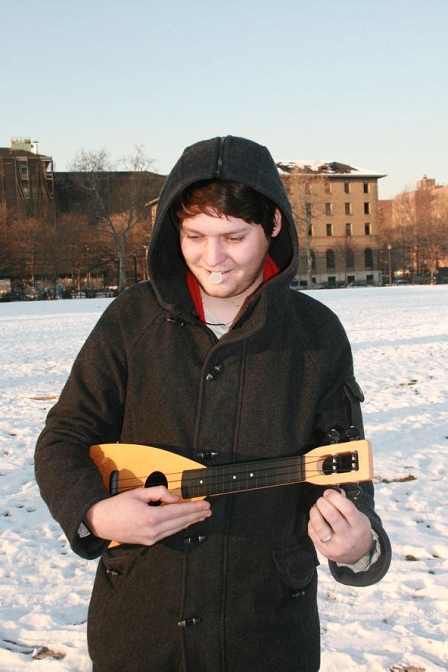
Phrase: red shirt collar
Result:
[270,270]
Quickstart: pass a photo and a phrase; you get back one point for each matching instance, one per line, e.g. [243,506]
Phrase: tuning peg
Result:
[333,436]
[352,433]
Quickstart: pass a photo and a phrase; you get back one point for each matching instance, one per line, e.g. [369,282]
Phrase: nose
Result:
[213,252]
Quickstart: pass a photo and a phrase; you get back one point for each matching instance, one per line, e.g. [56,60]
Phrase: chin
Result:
[218,292]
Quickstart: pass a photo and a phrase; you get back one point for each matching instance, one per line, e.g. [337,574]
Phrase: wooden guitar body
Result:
[125,466]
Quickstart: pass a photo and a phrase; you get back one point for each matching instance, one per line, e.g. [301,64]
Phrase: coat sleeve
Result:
[89,411]
[364,500]
[340,408]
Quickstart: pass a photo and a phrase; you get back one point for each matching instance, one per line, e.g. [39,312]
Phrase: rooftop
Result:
[316,167]
[21,153]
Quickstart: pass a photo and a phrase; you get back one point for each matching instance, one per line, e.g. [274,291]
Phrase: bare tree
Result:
[115,200]
[306,195]
[6,218]
[419,231]
[432,216]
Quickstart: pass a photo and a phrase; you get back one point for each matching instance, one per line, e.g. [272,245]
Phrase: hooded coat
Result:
[236,593]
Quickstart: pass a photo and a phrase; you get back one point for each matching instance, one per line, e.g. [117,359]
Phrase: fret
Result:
[238,477]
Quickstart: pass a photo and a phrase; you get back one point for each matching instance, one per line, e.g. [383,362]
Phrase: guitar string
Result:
[211,480]
[239,468]
[208,477]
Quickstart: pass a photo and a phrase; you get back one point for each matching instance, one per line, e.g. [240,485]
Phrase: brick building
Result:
[336,211]
[335,207]
[415,224]
[26,179]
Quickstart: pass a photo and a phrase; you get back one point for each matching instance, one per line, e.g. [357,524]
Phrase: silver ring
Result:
[325,541]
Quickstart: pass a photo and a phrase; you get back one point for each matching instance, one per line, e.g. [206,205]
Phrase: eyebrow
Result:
[236,230]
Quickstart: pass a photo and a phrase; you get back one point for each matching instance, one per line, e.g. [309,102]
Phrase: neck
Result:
[226,311]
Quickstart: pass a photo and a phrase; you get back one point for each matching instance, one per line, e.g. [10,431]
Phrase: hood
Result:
[229,158]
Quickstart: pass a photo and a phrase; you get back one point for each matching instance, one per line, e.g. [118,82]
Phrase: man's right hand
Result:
[127,518]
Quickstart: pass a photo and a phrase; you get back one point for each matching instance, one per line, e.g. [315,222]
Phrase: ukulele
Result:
[125,466]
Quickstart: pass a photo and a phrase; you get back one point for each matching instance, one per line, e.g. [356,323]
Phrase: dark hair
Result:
[229,199]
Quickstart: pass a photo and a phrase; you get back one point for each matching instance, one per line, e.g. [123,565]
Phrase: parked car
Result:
[11,296]
[357,283]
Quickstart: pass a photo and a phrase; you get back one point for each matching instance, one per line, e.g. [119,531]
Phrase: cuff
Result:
[367,560]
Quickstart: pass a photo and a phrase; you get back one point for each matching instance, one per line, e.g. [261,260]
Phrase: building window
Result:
[328,209]
[348,229]
[329,229]
[328,187]
[366,188]
[367,208]
[330,260]
[350,259]
[346,187]
[308,211]
[348,208]
[367,229]
[368,257]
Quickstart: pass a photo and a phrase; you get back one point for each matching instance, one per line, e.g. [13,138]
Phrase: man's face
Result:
[225,254]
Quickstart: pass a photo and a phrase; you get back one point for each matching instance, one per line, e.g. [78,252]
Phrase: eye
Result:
[236,239]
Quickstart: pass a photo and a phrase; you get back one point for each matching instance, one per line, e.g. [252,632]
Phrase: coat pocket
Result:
[296,565]
[117,563]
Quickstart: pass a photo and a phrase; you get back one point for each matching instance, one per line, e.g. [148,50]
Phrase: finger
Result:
[327,519]
[168,520]
[344,505]
[337,489]
[323,544]
[156,493]
[320,527]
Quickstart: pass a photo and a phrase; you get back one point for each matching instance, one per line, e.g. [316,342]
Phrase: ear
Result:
[277,223]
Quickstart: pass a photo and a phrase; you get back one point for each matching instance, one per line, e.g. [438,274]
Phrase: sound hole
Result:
[154,479]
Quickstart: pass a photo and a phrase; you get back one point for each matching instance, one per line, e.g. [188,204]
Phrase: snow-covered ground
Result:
[400,342]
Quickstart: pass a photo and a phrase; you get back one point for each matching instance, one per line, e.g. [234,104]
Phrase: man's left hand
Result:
[338,529]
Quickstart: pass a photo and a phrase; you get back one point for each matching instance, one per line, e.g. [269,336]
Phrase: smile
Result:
[215,277]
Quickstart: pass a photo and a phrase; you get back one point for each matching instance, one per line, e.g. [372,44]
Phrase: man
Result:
[215,359]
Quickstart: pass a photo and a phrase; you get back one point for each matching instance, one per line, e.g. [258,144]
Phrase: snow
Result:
[400,342]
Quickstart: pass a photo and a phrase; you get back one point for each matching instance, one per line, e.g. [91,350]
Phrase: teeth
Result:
[215,278]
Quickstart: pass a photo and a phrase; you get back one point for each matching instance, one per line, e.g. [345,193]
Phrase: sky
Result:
[359,83]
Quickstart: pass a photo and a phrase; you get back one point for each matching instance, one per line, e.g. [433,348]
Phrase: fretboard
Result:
[230,478]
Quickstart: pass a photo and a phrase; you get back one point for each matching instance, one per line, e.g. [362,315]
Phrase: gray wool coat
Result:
[236,593]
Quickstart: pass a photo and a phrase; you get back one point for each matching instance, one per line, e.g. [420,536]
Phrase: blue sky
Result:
[363,83]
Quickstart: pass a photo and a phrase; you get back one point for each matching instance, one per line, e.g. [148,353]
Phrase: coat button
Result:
[298,593]
[195,540]
[194,620]
[207,455]
[213,373]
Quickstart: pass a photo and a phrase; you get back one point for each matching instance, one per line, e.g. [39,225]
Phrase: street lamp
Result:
[145,274]
[135,266]
[389,247]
